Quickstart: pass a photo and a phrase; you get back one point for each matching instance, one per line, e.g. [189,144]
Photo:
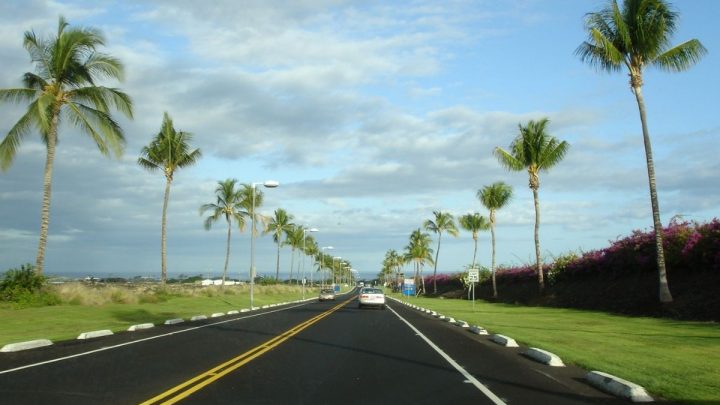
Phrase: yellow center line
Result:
[194,384]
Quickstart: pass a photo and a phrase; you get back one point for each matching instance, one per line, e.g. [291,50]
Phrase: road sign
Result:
[474,275]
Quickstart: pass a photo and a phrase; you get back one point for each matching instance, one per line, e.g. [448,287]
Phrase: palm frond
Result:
[11,142]
[101,128]
[507,160]
[681,57]
[102,65]
[18,95]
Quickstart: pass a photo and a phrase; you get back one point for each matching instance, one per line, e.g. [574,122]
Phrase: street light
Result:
[303,262]
[268,184]
[322,249]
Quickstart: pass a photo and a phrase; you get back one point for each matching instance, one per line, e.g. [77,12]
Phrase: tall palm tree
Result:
[168,152]
[637,36]
[311,249]
[419,252]
[393,261]
[534,150]
[294,239]
[444,222]
[279,225]
[64,89]
[494,197]
[229,205]
[474,222]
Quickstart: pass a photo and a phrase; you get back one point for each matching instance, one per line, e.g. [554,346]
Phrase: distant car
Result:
[327,294]
[371,297]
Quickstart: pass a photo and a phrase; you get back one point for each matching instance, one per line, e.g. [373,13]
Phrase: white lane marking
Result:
[485,390]
[141,340]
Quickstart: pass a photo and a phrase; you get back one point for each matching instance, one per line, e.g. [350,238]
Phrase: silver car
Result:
[327,294]
[371,297]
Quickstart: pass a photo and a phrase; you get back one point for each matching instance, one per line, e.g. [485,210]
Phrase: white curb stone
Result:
[217,314]
[233,312]
[504,341]
[462,324]
[441,317]
[545,357]
[140,326]
[618,386]
[264,307]
[478,330]
[198,318]
[449,319]
[95,334]
[30,344]
[174,321]
[245,310]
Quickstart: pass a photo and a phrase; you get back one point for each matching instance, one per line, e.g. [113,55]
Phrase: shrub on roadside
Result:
[23,287]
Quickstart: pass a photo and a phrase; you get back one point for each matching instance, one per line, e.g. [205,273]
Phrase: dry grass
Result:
[78,293]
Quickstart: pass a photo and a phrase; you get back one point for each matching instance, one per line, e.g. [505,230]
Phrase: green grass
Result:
[677,360]
[67,321]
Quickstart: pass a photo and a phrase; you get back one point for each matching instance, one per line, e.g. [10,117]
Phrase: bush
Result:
[24,287]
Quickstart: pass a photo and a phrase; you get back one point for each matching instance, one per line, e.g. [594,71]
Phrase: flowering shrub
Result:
[688,246]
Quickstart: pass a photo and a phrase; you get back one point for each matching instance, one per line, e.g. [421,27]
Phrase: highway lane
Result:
[299,354]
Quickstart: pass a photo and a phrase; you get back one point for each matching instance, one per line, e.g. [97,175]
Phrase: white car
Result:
[371,297]
[327,294]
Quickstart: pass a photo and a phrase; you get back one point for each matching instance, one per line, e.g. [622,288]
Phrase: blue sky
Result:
[371,115]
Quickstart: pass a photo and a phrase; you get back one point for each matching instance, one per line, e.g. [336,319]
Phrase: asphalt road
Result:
[312,353]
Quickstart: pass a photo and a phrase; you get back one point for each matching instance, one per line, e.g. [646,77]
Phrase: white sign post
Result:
[473,277]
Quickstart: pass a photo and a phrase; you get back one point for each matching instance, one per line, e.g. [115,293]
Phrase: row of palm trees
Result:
[418,251]
[68,65]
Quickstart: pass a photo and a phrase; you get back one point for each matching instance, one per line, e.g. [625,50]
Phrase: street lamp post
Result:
[303,262]
[268,184]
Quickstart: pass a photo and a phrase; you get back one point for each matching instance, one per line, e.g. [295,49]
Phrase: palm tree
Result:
[444,221]
[230,206]
[168,152]
[311,249]
[64,89]
[636,36]
[279,225]
[474,222]
[494,197]
[418,252]
[393,261]
[534,150]
[294,239]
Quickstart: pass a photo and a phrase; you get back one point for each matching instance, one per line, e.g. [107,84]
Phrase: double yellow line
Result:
[195,384]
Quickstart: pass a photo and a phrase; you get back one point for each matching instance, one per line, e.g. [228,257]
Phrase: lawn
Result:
[67,321]
[677,360]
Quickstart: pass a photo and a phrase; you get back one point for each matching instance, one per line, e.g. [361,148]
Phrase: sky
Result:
[371,115]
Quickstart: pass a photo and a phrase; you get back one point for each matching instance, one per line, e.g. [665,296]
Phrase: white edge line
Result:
[485,390]
[140,340]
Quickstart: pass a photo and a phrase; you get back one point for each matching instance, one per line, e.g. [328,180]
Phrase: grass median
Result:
[677,360]
[88,308]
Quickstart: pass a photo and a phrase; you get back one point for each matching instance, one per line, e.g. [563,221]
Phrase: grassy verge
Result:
[677,360]
[116,308]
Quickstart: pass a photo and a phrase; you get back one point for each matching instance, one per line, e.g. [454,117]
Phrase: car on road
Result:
[327,294]
[371,297]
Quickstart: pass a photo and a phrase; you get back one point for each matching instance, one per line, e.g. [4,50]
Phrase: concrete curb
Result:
[198,318]
[545,357]
[504,341]
[95,334]
[217,314]
[140,326]
[449,319]
[462,324]
[30,344]
[478,330]
[618,386]
[174,321]
[233,312]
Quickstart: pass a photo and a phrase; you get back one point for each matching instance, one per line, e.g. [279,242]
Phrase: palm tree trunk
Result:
[474,251]
[664,289]
[435,264]
[541,282]
[227,254]
[277,264]
[47,191]
[492,263]
[163,234]
[292,263]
